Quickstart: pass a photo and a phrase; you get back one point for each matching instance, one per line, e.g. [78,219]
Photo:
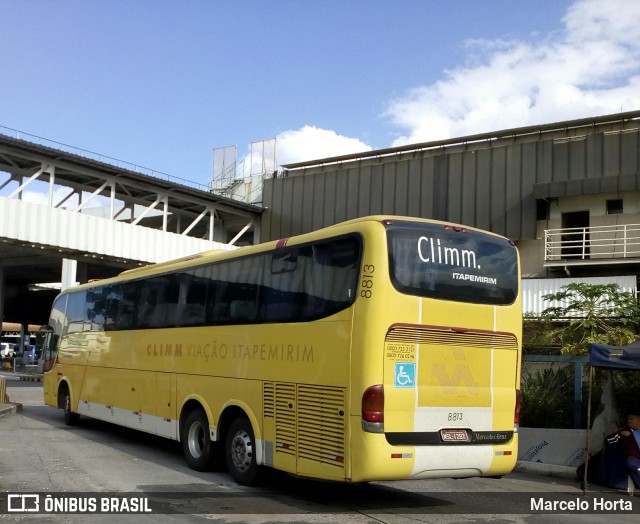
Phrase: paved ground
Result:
[99,458]
[28,392]
[19,396]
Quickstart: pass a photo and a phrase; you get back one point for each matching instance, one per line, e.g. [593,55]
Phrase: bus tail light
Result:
[516,415]
[373,409]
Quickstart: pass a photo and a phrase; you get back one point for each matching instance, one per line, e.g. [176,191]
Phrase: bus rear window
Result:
[452,263]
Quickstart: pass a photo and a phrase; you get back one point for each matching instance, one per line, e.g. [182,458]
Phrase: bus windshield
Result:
[452,263]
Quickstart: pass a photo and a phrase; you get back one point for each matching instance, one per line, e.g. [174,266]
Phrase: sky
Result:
[161,83]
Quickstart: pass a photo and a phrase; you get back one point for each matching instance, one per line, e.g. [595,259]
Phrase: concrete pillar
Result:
[24,329]
[69,271]
[52,183]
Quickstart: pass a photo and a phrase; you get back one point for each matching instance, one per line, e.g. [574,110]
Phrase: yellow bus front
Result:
[436,353]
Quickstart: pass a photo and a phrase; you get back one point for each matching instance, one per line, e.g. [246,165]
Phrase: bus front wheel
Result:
[70,418]
[241,452]
[196,441]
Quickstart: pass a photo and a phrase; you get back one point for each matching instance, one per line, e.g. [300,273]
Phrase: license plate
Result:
[454,435]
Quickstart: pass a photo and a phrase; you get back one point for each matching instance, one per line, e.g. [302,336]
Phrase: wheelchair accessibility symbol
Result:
[405,375]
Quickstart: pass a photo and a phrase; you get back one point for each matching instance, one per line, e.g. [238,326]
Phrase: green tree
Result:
[589,313]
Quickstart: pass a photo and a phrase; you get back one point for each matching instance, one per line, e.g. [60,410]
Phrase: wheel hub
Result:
[196,440]
[241,451]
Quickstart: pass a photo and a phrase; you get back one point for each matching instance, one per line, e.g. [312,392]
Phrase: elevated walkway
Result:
[78,235]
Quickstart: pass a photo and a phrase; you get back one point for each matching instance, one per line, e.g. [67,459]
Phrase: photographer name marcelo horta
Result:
[595,504]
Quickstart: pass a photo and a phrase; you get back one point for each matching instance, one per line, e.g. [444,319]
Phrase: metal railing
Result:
[234,182]
[98,157]
[580,244]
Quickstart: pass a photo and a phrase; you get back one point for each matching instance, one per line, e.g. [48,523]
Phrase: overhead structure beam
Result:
[71,193]
[33,177]
[92,196]
[195,222]
[147,210]
[242,232]
[123,189]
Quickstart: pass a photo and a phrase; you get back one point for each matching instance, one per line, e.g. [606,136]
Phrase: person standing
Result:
[629,438]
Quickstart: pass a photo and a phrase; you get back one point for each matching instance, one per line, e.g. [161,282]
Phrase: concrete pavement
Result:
[34,395]
[15,405]
[550,470]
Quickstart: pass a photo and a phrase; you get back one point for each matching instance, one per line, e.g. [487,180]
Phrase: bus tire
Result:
[196,440]
[70,418]
[240,452]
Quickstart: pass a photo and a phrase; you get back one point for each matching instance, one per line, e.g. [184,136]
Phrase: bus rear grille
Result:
[410,334]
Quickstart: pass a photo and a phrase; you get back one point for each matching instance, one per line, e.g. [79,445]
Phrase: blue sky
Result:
[161,83]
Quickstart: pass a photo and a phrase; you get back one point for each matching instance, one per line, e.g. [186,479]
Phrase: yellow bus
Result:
[377,349]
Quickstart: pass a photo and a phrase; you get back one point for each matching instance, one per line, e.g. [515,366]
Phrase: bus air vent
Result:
[321,424]
[437,335]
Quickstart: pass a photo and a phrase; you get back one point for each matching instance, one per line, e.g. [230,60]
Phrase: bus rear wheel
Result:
[196,441]
[240,451]
[70,418]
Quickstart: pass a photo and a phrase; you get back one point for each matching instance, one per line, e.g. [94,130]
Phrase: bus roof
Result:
[222,254]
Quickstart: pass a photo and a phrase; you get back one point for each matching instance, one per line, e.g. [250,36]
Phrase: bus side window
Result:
[127,306]
[53,331]
[158,302]
[282,287]
[95,307]
[57,320]
[332,279]
[241,285]
[76,309]
[210,290]
[242,311]
[191,300]
[120,306]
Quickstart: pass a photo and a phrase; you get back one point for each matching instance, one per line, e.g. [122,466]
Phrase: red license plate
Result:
[454,435]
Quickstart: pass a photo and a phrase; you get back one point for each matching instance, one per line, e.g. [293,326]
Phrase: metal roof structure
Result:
[80,172]
[496,181]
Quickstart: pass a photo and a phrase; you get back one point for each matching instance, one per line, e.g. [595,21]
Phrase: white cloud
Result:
[309,143]
[590,68]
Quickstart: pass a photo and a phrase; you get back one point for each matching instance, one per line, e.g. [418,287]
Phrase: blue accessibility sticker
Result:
[405,375]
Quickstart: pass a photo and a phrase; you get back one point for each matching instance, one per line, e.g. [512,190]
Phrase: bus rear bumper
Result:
[376,459]
[461,461]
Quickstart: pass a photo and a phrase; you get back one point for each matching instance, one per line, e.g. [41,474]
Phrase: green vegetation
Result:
[591,313]
[547,398]
[581,314]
